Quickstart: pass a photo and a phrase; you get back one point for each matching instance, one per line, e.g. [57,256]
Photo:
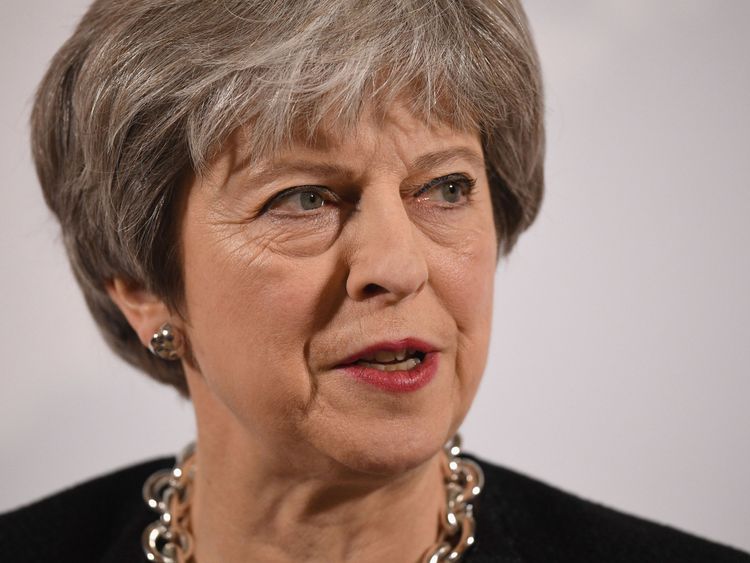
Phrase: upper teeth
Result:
[383,356]
[398,366]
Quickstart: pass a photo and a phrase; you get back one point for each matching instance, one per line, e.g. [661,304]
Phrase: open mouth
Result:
[396,366]
[400,360]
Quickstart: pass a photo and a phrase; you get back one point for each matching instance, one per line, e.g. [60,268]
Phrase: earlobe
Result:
[145,312]
[167,343]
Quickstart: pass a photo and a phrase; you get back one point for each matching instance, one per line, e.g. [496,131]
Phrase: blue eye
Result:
[451,192]
[453,189]
[309,200]
[297,200]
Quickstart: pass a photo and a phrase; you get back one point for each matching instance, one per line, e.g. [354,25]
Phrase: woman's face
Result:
[297,268]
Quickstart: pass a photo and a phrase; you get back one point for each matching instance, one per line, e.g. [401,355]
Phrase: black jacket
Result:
[519,520]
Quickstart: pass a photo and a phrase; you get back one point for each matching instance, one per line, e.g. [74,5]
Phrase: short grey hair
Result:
[145,92]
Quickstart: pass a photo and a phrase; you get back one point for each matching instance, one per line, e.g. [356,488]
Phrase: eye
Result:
[308,200]
[450,192]
[454,189]
[301,199]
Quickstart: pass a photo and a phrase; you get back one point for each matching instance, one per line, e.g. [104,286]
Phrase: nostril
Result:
[372,289]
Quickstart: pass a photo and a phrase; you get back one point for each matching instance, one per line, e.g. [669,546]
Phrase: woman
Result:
[292,213]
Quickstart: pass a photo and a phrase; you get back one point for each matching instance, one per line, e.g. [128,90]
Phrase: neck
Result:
[247,509]
[276,500]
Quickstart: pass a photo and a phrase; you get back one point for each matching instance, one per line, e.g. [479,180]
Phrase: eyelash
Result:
[324,193]
[465,183]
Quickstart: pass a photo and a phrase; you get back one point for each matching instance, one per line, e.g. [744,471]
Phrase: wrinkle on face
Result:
[275,306]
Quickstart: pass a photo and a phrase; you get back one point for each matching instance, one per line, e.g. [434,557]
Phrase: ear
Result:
[144,311]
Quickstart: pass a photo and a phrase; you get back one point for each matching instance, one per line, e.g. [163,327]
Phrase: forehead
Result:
[396,138]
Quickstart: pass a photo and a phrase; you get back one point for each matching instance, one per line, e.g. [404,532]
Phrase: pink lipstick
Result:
[396,366]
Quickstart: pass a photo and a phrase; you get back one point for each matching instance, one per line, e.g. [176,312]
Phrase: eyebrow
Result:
[426,161]
[434,159]
[281,167]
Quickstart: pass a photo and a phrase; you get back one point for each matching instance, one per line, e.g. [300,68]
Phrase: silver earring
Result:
[166,343]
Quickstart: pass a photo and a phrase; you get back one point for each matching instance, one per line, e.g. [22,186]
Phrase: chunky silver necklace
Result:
[168,492]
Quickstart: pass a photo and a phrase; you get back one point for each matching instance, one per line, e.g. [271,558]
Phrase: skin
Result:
[297,460]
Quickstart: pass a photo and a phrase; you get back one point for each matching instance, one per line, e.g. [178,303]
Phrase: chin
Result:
[390,448]
[381,434]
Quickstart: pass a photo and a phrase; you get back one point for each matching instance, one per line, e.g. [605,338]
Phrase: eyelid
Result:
[324,192]
[457,177]
[329,195]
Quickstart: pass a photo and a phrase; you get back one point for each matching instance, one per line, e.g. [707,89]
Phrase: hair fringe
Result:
[146,91]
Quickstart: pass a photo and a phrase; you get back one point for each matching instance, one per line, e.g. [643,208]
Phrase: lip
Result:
[390,346]
[401,381]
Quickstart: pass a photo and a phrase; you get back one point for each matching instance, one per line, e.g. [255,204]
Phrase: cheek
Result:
[465,288]
[465,272]
[250,311]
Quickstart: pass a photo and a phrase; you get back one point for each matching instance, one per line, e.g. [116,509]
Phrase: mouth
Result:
[398,355]
[401,366]
[402,360]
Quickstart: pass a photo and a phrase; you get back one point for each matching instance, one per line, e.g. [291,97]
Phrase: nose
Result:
[386,259]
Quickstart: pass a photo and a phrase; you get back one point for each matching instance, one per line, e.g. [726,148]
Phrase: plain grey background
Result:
[620,357]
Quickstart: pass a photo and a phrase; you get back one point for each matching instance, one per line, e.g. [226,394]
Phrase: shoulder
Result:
[527,520]
[99,520]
